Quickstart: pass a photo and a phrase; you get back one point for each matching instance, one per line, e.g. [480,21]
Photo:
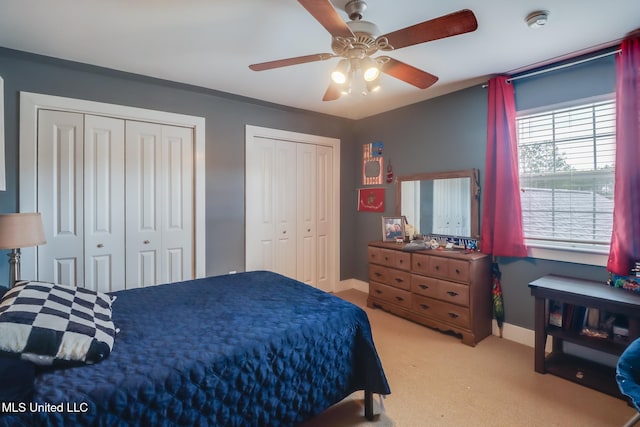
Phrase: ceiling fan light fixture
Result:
[345,89]
[370,70]
[340,74]
[373,86]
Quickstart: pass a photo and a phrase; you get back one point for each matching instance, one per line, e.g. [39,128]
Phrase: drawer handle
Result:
[423,286]
[419,264]
[378,291]
[400,298]
[452,294]
[378,274]
[398,280]
[454,315]
[457,271]
[401,261]
[437,267]
[386,258]
[424,306]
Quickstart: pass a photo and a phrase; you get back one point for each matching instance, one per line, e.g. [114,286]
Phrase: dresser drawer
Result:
[442,311]
[459,270]
[453,269]
[456,293]
[390,276]
[391,294]
[427,286]
[390,258]
[438,266]
[420,263]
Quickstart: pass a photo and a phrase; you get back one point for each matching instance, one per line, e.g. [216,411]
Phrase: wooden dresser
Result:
[446,290]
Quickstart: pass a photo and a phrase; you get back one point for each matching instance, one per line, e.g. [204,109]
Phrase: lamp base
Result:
[14,266]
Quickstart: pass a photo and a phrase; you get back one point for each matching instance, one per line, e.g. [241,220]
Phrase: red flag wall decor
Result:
[371,199]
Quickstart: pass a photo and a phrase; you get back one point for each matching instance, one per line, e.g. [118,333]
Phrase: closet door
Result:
[176,259]
[144,202]
[60,196]
[104,204]
[291,205]
[307,213]
[324,222]
[159,204]
[271,208]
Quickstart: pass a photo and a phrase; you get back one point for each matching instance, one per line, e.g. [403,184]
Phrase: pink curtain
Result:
[625,238]
[501,233]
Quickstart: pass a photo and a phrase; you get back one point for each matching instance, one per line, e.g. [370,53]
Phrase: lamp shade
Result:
[21,230]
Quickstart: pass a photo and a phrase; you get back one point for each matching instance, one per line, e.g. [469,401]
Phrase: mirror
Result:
[444,203]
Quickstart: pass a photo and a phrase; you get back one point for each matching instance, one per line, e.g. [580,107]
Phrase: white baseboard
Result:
[518,334]
[359,285]
[509,332]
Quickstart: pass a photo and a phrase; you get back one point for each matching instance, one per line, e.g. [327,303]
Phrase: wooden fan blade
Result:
[327,16]
[407,73]
[463,21]
[290,61]
[332,93]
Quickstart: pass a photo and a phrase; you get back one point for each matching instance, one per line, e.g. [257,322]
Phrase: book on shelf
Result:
[588,321]
[555,313]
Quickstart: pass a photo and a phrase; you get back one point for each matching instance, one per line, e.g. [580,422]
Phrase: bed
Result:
[248,349]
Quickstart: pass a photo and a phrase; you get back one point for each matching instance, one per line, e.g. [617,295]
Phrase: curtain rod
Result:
[560,67]
[565,65]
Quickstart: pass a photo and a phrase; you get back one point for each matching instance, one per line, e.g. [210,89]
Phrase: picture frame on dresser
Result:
[392,228]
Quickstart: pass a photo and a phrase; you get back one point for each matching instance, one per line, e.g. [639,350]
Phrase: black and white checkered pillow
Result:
[56,325]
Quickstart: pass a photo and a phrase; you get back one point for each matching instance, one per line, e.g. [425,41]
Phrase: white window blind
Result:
[566,163]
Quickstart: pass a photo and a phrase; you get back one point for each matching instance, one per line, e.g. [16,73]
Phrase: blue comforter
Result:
[250,349]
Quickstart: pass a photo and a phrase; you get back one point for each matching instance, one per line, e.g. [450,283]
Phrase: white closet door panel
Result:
[259,210]
[146,266]
[307,205]
[177,218]
[286,211]
[324,221]
[104,203]
[60,196]
[143,240]
[260,204]
[174,267]
[270,206]
[65,270]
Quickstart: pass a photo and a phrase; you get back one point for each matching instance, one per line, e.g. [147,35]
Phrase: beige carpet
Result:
[438,381]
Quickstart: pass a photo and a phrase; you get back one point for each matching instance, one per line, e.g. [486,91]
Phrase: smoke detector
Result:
[537,19]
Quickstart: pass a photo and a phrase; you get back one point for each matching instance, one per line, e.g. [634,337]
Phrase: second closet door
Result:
[159,204]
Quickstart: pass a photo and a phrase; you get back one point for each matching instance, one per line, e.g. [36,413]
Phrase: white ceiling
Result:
[211,43]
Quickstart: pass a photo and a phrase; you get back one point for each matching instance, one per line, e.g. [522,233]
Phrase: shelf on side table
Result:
[584,372]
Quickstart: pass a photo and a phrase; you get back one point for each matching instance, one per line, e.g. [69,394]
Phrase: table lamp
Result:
[20,230]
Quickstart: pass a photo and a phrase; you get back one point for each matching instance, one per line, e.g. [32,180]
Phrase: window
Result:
[566,163]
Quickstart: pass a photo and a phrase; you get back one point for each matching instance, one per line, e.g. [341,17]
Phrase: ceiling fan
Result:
[357,40]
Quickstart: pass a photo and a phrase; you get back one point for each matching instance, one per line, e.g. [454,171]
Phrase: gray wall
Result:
[446,133]
[226,117]
[449,133]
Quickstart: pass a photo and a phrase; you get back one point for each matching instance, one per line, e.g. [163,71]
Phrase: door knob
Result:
[146,242]
[100,245]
